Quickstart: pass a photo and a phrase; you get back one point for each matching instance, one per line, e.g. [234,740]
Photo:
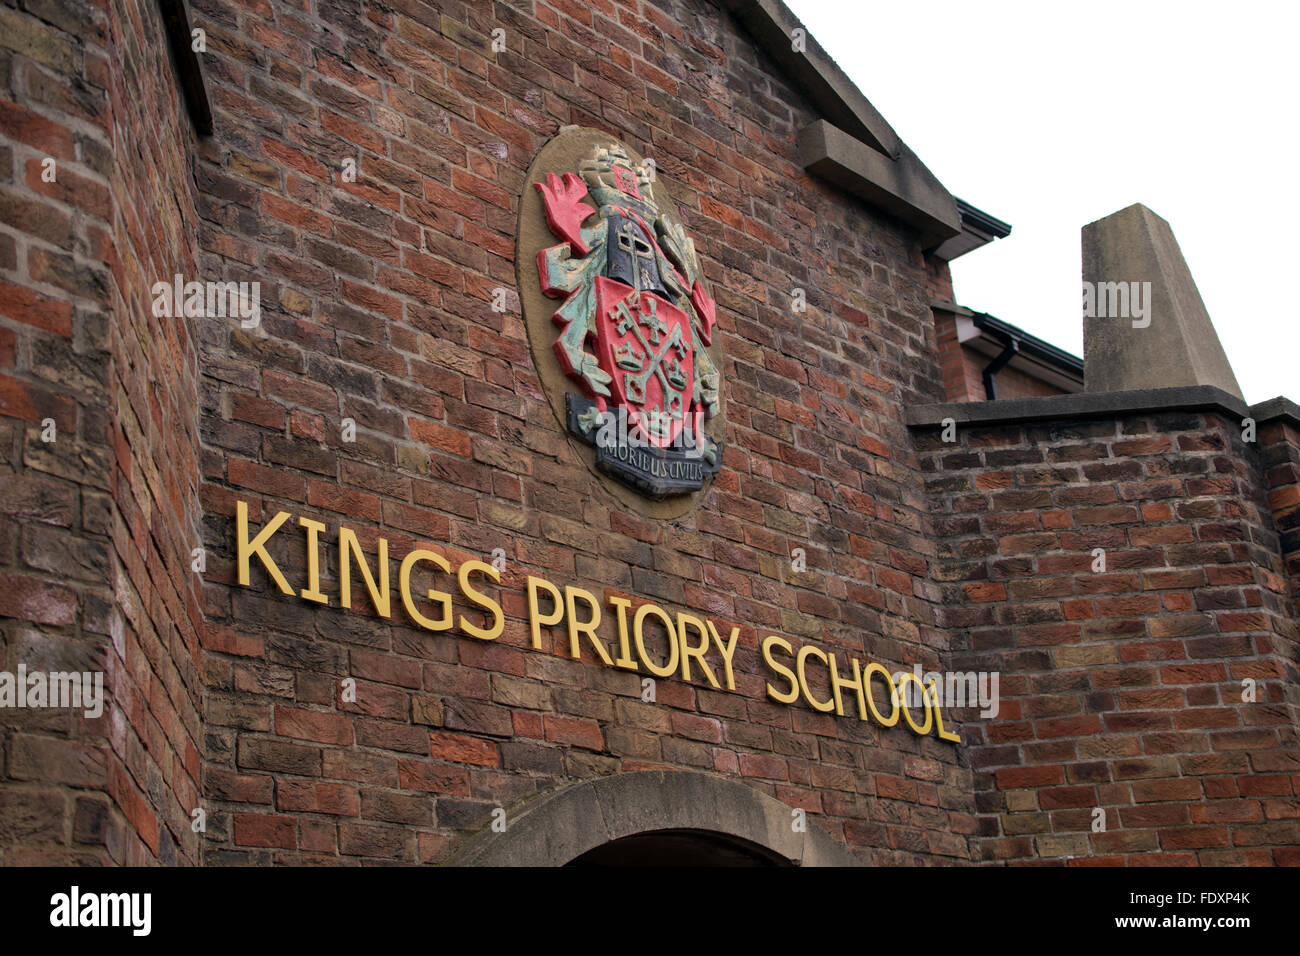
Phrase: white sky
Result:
[1049,116]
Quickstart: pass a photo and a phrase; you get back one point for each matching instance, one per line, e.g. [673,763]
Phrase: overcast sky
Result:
[1051,116]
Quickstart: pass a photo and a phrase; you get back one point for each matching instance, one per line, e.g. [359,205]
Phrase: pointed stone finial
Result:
[1144,323]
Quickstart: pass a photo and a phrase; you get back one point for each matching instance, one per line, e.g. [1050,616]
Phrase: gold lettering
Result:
[838,682]
[793,694]
[873,668]
[638,633]
[536,619]
[442,597]
[482,600]
[379,596]
[727,651]
[588,627]
[565,604]
[805,652]
[903,678]
[312,591]
[938,717]
[685,621]
[245,549]
[625,659]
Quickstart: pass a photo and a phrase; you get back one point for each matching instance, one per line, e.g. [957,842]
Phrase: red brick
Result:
[265,830]
[347,501]
[35,130]
[764,766]
[257,411]
[432,777]
[32,308]
[313,725]
[458,748]
[34,403]
[278,482]
[40,602]
[577,732]
[440,436]
[1012,778]
[314,796]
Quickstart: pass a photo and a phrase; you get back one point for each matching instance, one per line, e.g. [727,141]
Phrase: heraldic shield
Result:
[646,340]
[634,325]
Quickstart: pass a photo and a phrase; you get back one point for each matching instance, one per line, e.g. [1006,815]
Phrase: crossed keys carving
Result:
[667,368]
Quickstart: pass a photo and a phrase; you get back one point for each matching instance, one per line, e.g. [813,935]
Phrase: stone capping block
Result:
[902,187]
[943,305]
[1178,344]
[1014,411]
[557,827]
[1276,409]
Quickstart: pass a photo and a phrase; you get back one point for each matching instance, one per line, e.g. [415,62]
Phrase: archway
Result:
[678,848]
[661,817]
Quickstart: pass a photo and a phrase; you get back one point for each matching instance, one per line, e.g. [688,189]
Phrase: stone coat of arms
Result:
[633,326]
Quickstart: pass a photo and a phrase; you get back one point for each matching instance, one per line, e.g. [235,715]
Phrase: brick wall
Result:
[95,523]
[1122,687]
[379,310]
[1279,443]
[961,381]
[154,675]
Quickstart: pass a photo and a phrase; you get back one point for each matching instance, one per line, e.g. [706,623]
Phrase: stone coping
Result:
[1185,398]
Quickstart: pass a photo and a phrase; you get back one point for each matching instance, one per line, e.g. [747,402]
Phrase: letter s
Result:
[482,600]
[790,696]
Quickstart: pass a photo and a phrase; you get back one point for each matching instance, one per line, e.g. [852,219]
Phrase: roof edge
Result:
[851,145]
[979,219]
[838,98]
[1044,349]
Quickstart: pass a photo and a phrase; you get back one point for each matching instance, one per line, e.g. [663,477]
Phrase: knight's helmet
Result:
[631,256]
[624,190]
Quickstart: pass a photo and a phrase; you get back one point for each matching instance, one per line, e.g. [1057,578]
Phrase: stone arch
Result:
[562,825]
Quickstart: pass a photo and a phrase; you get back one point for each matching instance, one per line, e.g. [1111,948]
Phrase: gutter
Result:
[991,370]
[1031,345]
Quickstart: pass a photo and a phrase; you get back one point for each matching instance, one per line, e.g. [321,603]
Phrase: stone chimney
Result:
[1144,324]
